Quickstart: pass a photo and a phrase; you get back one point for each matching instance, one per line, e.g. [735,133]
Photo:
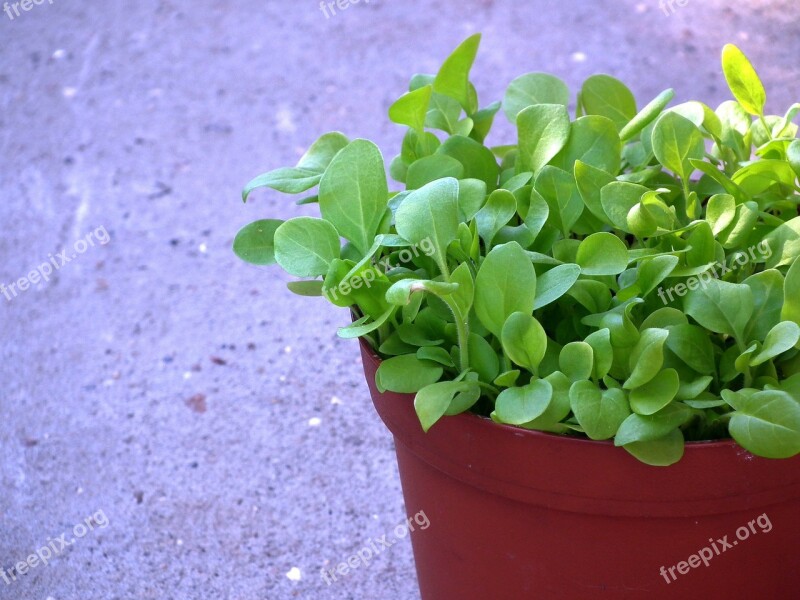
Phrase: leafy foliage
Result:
[627,274]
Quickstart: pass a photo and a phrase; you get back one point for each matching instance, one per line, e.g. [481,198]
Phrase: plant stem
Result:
[726,417]
[683,207]
[766,127]
[445,271]
[492,391]
[462,331]
[748,376]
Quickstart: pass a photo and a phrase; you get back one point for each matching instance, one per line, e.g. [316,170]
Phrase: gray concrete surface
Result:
[162,382]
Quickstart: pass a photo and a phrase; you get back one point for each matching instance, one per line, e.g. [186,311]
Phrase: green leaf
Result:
[576,361]
[593,140]
[401,291]
[308,171]
[720,212]
[646,428]
[518,405]
[783,243]
[599,413]
[676,140]
[524,341]
[443,113]
[766,423]
[505,284]
[768,298]
[721,307]
[559,190]
[255,243]
[289,180]
[464,296]
[692,111]
[482,121]
[471,196]
[353,193]
[602,254]
[305,247]
[538,213]
[410,109]
[608,97]
[365,287]
[664,318]
[641,221]
[557,410]
[693,346]
[483,358]
[308,287]
[321,153]
[463,401]
[701,249]
[430,168]
[661,452]
[618,198]
[782,338]
[689,390]
[653,271]
[742,362]
[531,89]
[647,357]
[517,182]
[793,156]
[556,282]
[363,326]
[435,354]
[757,177]
[594,295]
[308,200]
[430,215]
[507,378]
[603,351]
[407,374]
[477,160]
[740,230]
[433,400]
[718,176]
[743,80]
[647,115]
[453,77]
[655,394]
[791,303]
[495,214]
[591,181]
[543,130]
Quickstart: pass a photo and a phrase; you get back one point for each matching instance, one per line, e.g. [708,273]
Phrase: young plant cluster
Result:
[540,299]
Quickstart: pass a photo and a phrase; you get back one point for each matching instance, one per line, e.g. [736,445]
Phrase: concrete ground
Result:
[211,428]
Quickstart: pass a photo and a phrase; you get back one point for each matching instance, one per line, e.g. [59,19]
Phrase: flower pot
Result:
[517,514]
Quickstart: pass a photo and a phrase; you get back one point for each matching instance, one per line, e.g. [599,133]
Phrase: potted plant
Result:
[563,334]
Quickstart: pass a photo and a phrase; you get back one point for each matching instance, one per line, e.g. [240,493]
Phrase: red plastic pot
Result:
[518,514]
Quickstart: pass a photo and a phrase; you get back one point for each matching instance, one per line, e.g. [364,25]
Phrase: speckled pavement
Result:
[205,430]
